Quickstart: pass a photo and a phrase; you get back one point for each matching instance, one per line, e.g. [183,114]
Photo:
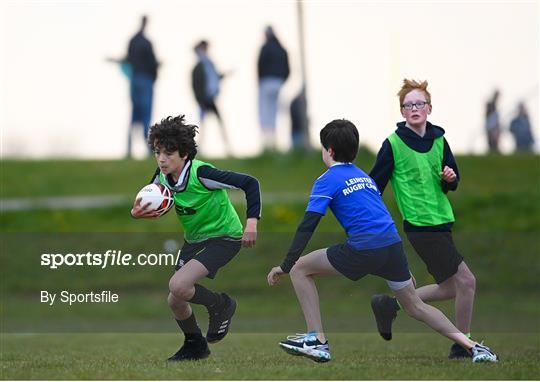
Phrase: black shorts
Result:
[388,262]
[212,253]
[438,252]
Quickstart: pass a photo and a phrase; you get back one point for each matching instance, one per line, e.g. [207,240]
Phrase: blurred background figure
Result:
[205,81]
[124,65]
[299,122]
[492,123]
[273,71]
[520,128]
[143,73]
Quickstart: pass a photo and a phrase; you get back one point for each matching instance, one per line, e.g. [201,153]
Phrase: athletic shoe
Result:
[220,320]
[481,353]
[307,345]
[192,350]
[385,312]
[458,352]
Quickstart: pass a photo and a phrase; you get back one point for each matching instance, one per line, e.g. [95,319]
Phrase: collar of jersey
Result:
[340,164]
[182,179]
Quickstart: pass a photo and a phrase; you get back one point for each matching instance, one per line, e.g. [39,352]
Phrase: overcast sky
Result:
[60,98]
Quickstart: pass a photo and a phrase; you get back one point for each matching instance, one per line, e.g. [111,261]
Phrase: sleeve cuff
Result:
[286,266]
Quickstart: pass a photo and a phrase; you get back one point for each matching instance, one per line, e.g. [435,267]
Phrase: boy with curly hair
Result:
[213,232]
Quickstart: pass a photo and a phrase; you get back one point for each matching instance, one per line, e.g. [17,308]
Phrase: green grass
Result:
[498,231]
[257,357]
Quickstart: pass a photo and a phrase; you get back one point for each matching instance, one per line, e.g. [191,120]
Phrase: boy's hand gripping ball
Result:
[159,197]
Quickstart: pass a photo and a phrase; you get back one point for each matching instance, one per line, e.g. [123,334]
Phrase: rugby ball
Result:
[159,197]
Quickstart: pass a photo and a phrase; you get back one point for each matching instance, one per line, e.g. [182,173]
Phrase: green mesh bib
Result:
[416,182]
[202,212]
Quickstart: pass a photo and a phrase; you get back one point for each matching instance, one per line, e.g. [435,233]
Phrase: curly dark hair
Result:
[173,133]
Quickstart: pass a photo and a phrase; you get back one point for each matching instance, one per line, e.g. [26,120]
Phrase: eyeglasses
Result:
[419,105]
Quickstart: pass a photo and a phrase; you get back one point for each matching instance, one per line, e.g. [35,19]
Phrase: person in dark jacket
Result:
[205,82]
[273,71]
[143,73]
[418,161]
[520,127]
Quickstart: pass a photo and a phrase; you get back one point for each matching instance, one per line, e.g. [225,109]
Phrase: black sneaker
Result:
[220,320]
[458,352]
[385,313]
[192,350]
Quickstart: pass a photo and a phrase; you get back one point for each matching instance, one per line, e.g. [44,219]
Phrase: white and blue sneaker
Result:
[308,345]
[481,353]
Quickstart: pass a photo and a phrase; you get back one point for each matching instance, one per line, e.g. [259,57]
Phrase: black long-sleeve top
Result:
[303,233]
[141,56]
[273,60]
[215,179]
[384,165]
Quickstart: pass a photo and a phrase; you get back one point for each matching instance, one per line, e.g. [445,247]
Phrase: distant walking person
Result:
[299,121]
[143,65]
[493,128]
[205,81]
[520,127]
[273,71]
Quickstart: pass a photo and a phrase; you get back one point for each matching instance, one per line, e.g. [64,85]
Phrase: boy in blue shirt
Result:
[373,246]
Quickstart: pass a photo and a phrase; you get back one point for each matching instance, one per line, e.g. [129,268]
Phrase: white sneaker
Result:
[308,345]
[481,353]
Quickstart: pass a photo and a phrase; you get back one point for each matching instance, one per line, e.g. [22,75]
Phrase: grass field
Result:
[498,228]
[257,357]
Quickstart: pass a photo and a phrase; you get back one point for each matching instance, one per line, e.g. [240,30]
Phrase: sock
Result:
[314,334]
[189,327]
[396,303]
[206,297]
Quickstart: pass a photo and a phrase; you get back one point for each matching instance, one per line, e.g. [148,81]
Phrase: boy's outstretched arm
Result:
[215,179]
[303,234]
[384,166]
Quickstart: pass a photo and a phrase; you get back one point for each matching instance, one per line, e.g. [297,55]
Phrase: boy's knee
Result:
[181,290]
[466,280]
[298,270]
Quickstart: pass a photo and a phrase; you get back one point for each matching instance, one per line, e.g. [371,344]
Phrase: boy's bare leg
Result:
[180,308]
[182,283]
[437,292]
[431,316]
[314,264]
[461,287]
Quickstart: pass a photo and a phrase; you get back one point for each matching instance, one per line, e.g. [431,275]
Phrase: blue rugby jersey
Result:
[355,200]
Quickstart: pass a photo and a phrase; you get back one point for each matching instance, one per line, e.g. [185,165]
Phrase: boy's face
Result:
[169,162]
[415,116]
